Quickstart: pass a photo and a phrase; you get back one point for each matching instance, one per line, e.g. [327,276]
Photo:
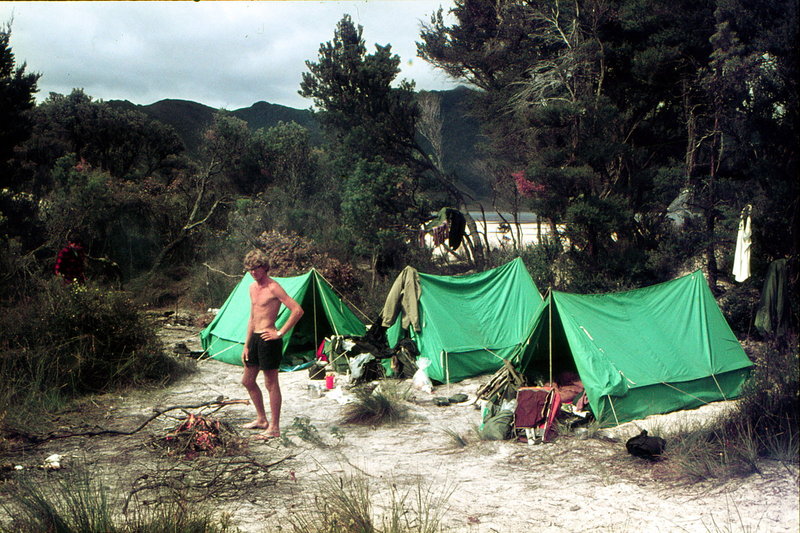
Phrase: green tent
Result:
[647,351]
[324,314]
[469,324]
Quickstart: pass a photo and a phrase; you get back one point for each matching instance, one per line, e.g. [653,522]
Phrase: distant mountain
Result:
[265,115]
[460,130]
[190,119]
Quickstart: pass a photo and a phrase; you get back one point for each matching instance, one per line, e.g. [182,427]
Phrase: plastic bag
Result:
[421,380]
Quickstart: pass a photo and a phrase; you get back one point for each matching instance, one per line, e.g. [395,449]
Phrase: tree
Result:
[597,103]
[126,143]
[367,116]
[209,186]
[380,211]
[17,89]
[358,105]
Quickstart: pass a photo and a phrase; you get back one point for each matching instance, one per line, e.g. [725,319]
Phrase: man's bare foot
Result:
[267,435]
[255,424]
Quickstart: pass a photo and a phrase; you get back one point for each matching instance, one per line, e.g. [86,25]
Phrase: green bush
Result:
[68,340]
[768,411]
[739,305]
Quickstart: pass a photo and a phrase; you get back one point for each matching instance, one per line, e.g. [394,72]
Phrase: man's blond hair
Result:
[255,259]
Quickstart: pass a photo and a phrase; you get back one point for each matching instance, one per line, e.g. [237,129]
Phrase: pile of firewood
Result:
[201,435]
[503,383]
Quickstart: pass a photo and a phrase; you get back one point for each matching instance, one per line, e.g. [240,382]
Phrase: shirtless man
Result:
[263,348]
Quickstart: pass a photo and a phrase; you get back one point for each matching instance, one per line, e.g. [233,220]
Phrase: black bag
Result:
[646,447]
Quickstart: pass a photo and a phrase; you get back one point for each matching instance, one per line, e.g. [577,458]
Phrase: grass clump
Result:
[349,503]
[459,440]
[375,406]
[73,502]
[764,424]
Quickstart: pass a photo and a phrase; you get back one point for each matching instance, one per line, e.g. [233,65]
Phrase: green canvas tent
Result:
[324,314]
[470,324]
[647,351]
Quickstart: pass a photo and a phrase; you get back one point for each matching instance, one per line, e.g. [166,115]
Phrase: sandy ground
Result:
[573,484]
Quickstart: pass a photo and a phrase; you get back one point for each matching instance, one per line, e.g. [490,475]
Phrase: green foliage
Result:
[739,305]
[307,431]
[16,93]
[123,142]
[769,407]
[379,206]
[360,107]
[68,340]
[625,106]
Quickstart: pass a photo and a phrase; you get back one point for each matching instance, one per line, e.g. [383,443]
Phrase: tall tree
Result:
[358,105]
[367,115]
[595,102]
[17,89]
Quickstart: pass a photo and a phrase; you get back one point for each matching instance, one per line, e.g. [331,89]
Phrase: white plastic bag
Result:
[421,380]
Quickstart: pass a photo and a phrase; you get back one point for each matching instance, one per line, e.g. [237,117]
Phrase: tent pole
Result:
[720,388]
[611,403]
[550,331]
[314,295]
[447,370]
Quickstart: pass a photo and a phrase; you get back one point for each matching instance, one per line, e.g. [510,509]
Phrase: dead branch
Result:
[218,404]
[199,481]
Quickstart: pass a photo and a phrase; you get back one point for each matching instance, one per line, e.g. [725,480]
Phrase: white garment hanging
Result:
[741,257]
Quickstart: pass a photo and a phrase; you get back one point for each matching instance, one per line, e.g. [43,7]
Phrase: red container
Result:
[330,380]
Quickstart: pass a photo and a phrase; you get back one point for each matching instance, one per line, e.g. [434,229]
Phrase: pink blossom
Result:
[525,187]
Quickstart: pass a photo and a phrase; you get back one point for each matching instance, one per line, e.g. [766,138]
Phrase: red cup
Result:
[329,381]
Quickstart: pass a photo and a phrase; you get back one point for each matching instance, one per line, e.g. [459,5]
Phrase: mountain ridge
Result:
[461,131]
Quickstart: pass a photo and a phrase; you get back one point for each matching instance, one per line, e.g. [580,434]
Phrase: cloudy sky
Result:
[222,54]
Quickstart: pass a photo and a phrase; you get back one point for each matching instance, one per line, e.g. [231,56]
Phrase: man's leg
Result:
[275,400]
[249,382]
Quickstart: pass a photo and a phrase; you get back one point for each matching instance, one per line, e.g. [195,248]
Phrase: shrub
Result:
[768,411]
[763,425]
[68,340]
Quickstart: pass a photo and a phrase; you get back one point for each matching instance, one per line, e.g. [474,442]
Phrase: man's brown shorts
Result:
[266,355]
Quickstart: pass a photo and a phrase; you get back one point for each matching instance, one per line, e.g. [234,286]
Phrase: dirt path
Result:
[572,484]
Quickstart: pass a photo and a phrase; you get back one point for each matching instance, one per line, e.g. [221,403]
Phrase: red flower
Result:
[525,187]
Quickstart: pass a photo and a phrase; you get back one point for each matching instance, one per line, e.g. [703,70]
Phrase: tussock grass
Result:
[73,502]
[346,503]
[371,407]
[764,424]
[459,440]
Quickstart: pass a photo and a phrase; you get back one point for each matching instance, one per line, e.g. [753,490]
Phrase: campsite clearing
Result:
[573,484]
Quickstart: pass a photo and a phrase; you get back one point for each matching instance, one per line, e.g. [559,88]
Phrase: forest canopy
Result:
[594,116]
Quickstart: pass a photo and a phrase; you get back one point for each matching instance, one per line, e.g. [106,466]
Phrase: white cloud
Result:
[222,54]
